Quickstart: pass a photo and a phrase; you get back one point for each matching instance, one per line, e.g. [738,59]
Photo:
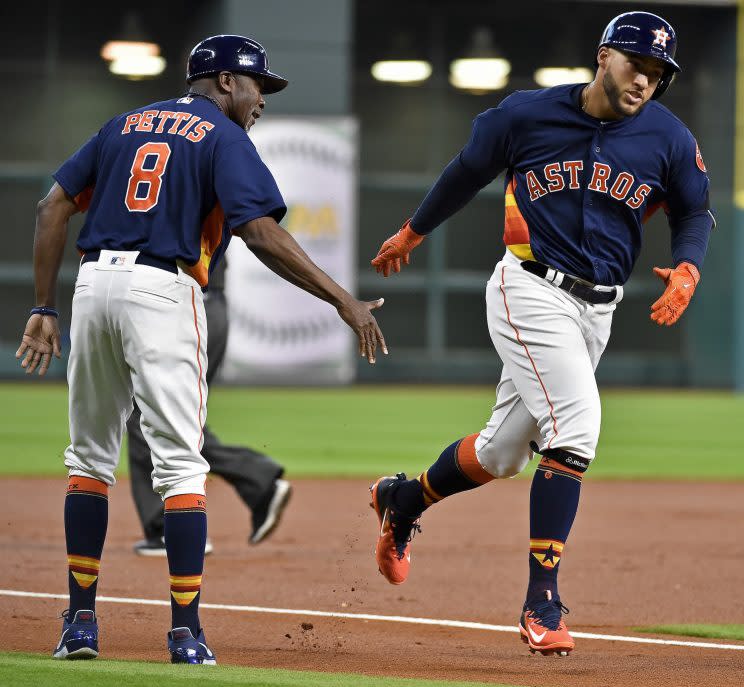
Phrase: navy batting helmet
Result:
[643,33]
[238,54]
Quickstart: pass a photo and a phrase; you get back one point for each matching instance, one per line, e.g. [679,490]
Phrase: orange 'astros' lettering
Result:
[194,129]
[599,177]
[573,167]
[535,187]
[560,176]
[553,175]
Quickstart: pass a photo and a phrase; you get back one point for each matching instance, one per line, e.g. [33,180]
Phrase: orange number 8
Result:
[152,176]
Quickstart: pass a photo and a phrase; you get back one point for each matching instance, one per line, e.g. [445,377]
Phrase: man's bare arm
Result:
[276,248]
[41,337]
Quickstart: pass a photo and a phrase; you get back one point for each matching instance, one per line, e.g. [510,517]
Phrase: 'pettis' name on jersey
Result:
[185,124]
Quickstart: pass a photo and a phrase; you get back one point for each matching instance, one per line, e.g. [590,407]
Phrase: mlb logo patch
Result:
[117,260]
[185,100]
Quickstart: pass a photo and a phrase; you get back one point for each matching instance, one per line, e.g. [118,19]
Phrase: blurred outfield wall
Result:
[58,92]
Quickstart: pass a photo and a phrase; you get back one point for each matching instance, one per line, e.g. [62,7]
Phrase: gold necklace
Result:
[584,99]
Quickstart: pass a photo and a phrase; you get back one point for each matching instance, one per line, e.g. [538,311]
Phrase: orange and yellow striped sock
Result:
[86,520]
[185,537]
[554,500]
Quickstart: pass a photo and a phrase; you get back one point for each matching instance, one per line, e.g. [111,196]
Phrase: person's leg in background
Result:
[148,504]
[255,476]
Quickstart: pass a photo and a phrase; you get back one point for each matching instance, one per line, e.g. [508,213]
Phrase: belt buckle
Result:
[574,282]
[586,283]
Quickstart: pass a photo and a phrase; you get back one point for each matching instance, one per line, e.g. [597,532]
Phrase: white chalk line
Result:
[384,618]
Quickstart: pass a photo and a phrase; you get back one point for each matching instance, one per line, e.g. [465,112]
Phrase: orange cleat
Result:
[542,627]
[393,548]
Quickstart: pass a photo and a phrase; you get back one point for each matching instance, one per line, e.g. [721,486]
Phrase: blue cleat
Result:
[185,649]
[79,638]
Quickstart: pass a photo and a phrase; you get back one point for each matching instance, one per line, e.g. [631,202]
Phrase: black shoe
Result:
[266,516]
[156,547]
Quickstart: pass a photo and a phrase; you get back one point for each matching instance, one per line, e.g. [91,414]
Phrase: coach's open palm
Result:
[358,315]
[680,285]
[40,340]
[398,247]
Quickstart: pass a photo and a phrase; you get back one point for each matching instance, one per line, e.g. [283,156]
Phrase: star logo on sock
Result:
[549,556]
[547,552]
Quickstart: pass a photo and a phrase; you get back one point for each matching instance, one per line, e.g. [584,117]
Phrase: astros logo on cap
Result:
[661,37]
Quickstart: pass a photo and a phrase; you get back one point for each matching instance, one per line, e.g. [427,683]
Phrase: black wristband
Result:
[44,310]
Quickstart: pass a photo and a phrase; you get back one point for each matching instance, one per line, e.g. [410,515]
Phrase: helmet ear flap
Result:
[664,83]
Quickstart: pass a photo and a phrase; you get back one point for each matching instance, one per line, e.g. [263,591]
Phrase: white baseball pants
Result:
[550,343]
[138,331]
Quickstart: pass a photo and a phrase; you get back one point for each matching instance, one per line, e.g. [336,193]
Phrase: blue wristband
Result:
[44,310]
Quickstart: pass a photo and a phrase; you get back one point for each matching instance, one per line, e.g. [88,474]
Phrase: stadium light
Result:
[482,70]
[402,71]
[137,66]
[117,50]
[132,56]
[557,76]
[480,74]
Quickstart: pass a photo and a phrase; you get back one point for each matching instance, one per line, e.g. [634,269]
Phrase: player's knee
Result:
[501,461]
[177,485]
[585,444]
[578,433]
[562,460]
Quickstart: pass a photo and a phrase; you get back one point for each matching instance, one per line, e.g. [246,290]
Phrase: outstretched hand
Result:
[40,340]
[680,285]
[396,249]
[358,315]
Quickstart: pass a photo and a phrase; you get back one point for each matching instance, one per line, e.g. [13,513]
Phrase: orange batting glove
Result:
[680,285]
[397,248]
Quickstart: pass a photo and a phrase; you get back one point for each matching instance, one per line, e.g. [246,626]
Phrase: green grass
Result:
[28,670]
[367,431]
[708,631]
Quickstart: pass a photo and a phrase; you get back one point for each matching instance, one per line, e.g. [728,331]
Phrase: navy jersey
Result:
[578,189]
[170,180]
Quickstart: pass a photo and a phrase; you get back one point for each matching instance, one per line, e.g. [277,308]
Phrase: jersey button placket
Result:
[596,149]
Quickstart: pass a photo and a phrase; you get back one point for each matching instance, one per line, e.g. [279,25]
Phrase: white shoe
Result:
[266,517]
[156,547]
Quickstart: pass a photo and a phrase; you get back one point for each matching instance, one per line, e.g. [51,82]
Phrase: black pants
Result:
[250,472]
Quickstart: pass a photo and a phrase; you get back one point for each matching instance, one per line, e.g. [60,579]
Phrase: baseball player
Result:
[165,187]
[585,165]
[256,477]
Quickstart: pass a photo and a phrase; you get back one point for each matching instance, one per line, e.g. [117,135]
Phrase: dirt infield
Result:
[640,553]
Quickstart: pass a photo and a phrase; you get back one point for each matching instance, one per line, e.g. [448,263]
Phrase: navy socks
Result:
[554,500]
[86,520]
[185,537]
[457,469]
